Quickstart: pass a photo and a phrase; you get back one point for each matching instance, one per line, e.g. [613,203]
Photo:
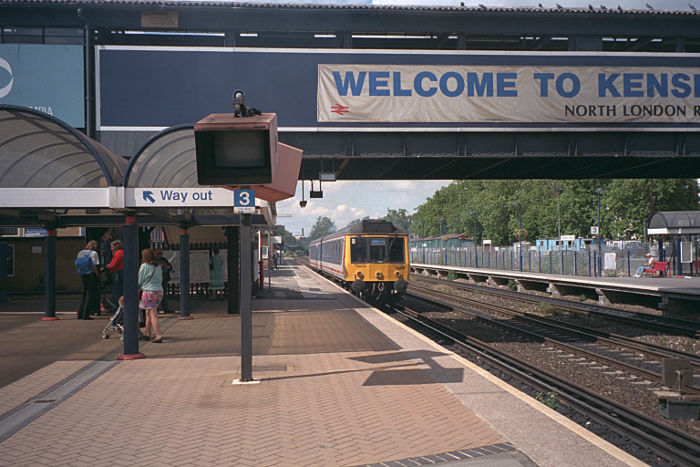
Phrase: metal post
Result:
[184,275]
[476,242]
[589,262]
[131,291]
[520,236]
[232,245]
[50,276]
[246,301]
[629,266]
[561,255]
[575,263]
[600,236]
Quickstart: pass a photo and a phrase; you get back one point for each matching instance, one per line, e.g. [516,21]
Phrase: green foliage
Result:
[322,227]
[398,217]
[451,276]
[512,285]
[625,206]
[549,399]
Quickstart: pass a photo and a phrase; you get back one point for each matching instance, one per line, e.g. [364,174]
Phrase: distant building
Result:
[565,243]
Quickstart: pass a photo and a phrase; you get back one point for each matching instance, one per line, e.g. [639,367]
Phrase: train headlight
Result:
[379,275]
[359,274]
[398,274]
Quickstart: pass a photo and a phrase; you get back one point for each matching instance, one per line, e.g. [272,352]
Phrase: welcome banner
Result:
[453,94]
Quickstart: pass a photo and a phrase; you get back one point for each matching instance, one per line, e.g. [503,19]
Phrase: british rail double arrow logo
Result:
[339,109]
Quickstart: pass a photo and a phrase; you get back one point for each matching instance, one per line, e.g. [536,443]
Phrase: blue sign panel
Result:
[244,201]
[323,88]
[48,78]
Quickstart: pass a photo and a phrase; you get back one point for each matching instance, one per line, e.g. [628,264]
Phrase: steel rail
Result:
[654,376]
[667,441]
[611,338]
[689,328]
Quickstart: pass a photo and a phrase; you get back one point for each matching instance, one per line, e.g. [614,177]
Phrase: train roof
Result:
[367,226]
[376,226]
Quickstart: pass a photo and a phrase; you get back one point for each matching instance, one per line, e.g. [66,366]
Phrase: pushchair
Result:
[116,324]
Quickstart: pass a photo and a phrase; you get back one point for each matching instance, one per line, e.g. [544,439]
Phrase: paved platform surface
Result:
[339,384]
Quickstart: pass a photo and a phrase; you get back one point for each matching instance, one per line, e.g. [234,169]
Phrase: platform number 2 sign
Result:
[244,201]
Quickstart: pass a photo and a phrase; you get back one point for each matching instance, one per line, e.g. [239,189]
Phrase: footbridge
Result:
[377,92]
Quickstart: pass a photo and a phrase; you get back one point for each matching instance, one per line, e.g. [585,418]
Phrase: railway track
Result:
[657,439]
[661,323]
[637,358]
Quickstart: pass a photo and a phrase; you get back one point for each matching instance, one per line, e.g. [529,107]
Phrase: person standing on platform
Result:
[90,300]
[116,267]
[151,286]
[216,269]
[166,267]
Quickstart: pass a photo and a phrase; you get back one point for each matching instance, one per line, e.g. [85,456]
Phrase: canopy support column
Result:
[184,275]
[131,291]
[50,276]
[232,246]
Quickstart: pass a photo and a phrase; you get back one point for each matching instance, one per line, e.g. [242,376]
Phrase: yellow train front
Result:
[369,257]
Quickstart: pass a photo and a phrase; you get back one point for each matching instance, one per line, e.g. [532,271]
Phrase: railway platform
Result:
[340,383]
[665,293]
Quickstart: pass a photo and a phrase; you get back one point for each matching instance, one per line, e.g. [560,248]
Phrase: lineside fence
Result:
[614,262]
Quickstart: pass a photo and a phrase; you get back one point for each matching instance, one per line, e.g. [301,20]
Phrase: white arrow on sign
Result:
[178,197]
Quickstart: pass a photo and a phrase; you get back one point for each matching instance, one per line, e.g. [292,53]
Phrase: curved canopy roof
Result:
[168,159]
[675,222]
[40,151]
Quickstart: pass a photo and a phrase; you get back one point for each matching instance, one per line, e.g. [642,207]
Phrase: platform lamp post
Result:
[520,236]
[422,242]
[558,190]
[476,252]
[600,236]
[442,240]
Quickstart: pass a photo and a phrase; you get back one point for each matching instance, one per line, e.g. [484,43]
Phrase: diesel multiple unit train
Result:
[369,257]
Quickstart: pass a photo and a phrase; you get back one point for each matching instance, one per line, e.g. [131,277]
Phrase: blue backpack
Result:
[84,266]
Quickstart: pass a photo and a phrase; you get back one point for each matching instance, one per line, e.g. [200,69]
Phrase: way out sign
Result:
[244,201]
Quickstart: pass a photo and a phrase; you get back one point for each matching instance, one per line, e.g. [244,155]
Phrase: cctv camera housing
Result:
[302,203]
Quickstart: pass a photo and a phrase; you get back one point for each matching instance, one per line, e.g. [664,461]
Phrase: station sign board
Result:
[178,197]
[244,201]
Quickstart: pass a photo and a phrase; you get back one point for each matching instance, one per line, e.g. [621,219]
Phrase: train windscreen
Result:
[377,249]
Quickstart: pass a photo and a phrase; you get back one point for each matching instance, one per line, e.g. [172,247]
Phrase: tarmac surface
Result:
[338,383]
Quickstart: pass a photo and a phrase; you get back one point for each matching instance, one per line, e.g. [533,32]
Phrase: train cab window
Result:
[357,250]
[396,249]
[377,250]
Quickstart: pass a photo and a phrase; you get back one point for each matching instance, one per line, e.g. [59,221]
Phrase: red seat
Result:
[660,269]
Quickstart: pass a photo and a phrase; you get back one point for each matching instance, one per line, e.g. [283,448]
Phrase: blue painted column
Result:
[50,276]
[184,275]
[246,301]
[234,278]
[131,290]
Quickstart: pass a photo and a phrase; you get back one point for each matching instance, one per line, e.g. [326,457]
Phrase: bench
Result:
[660,269]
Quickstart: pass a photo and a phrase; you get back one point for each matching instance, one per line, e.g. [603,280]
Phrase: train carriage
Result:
[369,257]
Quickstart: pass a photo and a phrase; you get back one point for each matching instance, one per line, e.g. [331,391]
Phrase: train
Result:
[369,257]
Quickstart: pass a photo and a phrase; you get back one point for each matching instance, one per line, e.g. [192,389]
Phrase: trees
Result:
[398,217]
[625,204]
[322,227]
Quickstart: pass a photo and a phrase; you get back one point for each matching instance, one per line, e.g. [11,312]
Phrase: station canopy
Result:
[39,151]
[53,175]
[168,159]
[674,223]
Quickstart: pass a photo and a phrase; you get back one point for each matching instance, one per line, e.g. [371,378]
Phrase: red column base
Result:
[134,356]
[49,318]
[185,317]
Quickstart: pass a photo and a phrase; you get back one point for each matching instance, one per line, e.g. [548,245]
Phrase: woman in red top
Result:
[116,267]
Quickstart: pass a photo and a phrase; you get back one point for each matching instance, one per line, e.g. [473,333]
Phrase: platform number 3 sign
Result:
[244,201]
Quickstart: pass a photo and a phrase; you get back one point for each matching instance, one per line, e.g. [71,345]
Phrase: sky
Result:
[345,201]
